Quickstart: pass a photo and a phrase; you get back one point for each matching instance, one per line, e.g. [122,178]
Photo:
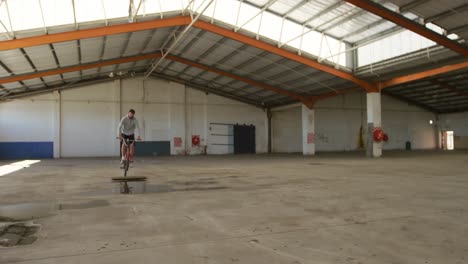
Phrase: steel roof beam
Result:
[295,7]
[239,78]
[208,90]
[145,44]
[145,57]
[410,101]
[283,53]
[124,49]
[448,13]
[247,62]
[203,81]
[57,62]
[226,58]
[180,21]
[186,48]
[422,75]
[415,93]
[340,2]
[395,29]
[93,32]
[7,69]
[38,74]
[411,5]
[446,101]
[409,24]
[440,96]
[324,11]
[450,87]
[155,64]
[454,105]
[206,53]
[458,29]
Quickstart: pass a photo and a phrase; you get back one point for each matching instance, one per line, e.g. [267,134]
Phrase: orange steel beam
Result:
[421,75]
[21,77]
[93,32]
[409,24]
[314,98]
[178,21]
[239,78]
[16,78]
[338,92]
[284,53]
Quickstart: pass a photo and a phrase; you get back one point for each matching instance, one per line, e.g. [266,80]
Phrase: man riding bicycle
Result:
[126,131]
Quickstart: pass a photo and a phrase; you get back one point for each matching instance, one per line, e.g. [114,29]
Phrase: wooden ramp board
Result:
[127,179]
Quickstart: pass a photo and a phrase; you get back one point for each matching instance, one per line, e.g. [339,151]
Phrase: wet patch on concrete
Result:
[90,204]
[205,181]
[18,234]
[316,163]
[25,211]
[200,184]
[164,188]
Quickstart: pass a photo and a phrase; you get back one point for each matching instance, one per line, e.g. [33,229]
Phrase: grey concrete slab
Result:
[407,207]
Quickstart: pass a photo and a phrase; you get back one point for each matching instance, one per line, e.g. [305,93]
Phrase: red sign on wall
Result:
[310,138]
[177,142]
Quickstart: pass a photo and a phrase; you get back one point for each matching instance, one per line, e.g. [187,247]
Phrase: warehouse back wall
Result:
[82,122]
[458,123]
[339,120]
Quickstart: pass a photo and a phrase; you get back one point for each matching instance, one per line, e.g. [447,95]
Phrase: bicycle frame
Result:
[128,144]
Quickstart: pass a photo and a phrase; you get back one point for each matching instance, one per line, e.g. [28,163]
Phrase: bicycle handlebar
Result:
[127,141]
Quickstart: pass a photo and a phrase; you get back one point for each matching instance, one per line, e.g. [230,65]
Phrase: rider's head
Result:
[131,113]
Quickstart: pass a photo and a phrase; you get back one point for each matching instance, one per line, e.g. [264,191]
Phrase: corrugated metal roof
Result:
[333,17]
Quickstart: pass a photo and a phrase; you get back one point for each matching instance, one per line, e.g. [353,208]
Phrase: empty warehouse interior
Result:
[264,131]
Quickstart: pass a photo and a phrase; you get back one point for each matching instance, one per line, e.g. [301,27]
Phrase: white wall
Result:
[458,123]
[286,133]
[19,117]
[86,118]
[338,122]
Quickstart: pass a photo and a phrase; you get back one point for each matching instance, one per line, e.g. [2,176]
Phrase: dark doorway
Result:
[244,139]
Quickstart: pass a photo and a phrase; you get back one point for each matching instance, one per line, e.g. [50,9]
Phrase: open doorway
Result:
[447,140]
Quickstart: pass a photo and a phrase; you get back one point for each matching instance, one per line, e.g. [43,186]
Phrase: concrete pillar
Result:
[117,111]
[269,117]
[57,124]
[308,130]
[374,119]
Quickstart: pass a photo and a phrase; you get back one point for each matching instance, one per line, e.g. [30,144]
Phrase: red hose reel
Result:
[195,140]
[379,135]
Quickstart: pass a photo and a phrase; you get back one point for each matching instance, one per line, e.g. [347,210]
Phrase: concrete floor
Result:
[332,208]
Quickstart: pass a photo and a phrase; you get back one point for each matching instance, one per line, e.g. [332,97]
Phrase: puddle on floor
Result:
[26,211]
[17,234]
[90,204]
[17,227]
[168,188]
[195,182]
[140,187]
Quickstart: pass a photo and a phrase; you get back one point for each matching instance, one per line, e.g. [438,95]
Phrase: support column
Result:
[57,124]
[374,119]
[117,111]
[308,130]
[269,117]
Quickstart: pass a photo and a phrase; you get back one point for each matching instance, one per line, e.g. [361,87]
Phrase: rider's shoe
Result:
[122,164]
